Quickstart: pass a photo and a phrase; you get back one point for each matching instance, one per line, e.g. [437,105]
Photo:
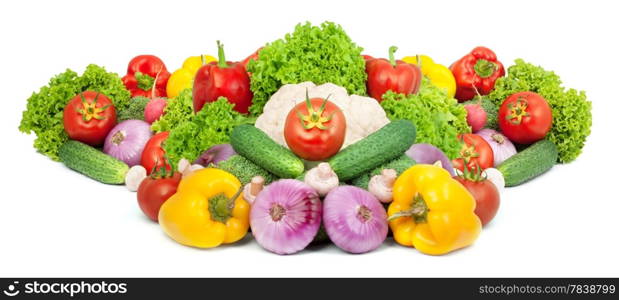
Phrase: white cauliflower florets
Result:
[363,114]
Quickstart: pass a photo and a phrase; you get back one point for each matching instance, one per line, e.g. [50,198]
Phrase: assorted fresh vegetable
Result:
[571,112]
[44,112]
[438,119]
[285,141]
[210,126]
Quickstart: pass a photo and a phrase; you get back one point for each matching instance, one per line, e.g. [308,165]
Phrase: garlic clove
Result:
[134,177]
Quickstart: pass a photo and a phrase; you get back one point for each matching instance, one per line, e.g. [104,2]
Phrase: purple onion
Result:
[354,219]
[502,147]
[215,154]
[428,154]
[285,217]
[126,141]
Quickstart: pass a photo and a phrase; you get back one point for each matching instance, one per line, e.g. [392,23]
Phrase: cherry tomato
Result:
[153,154]
[315,129]
[486,195]
[154,191]
[525,117]
[89,117]
[475,152]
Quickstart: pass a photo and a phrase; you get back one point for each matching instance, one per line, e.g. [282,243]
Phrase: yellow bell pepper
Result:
[207,210]
[432,211]
[438,74]
[183,78]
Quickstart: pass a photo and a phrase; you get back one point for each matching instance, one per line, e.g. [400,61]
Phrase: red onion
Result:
[354,219]
[127,140]
[285,216]
[215,154]
[501,146]
[428,154]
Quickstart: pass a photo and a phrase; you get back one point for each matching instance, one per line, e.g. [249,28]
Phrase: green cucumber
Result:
[255,145]
[529,163]
[92,162]
[382,146]
[399,164]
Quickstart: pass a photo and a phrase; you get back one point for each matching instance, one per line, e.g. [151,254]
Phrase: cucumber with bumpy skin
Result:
[529,163]
[92,162]
[374,150]
[255,145]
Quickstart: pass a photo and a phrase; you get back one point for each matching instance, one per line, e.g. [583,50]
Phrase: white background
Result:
[54,222]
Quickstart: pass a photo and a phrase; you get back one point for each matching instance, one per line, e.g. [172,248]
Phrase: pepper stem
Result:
[221,55]
[220,207]
[418,210]
[392,51]
[484,68]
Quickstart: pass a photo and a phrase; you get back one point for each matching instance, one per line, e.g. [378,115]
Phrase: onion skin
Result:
[215,154]
[429,154]
[501,146]
[354,219]
[126,141]
[285,216]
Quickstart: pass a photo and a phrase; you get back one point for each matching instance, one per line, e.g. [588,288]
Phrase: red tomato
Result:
[317,133]
[153,154]
[253,56]
[154,191]
[475,152]
[89,117]
[525,117]
[486,195]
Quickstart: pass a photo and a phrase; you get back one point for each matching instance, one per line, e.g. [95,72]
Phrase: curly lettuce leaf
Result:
[438,118]
[210,126]
[571,112]
[43,114]
[319,54]
[177,111]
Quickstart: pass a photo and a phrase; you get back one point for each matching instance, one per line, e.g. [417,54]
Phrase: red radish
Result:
[475,116]
[154,108]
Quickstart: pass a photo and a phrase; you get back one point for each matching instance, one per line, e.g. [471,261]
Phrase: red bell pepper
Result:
[477,70]
[141,74]
[397,76]
[222,79]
